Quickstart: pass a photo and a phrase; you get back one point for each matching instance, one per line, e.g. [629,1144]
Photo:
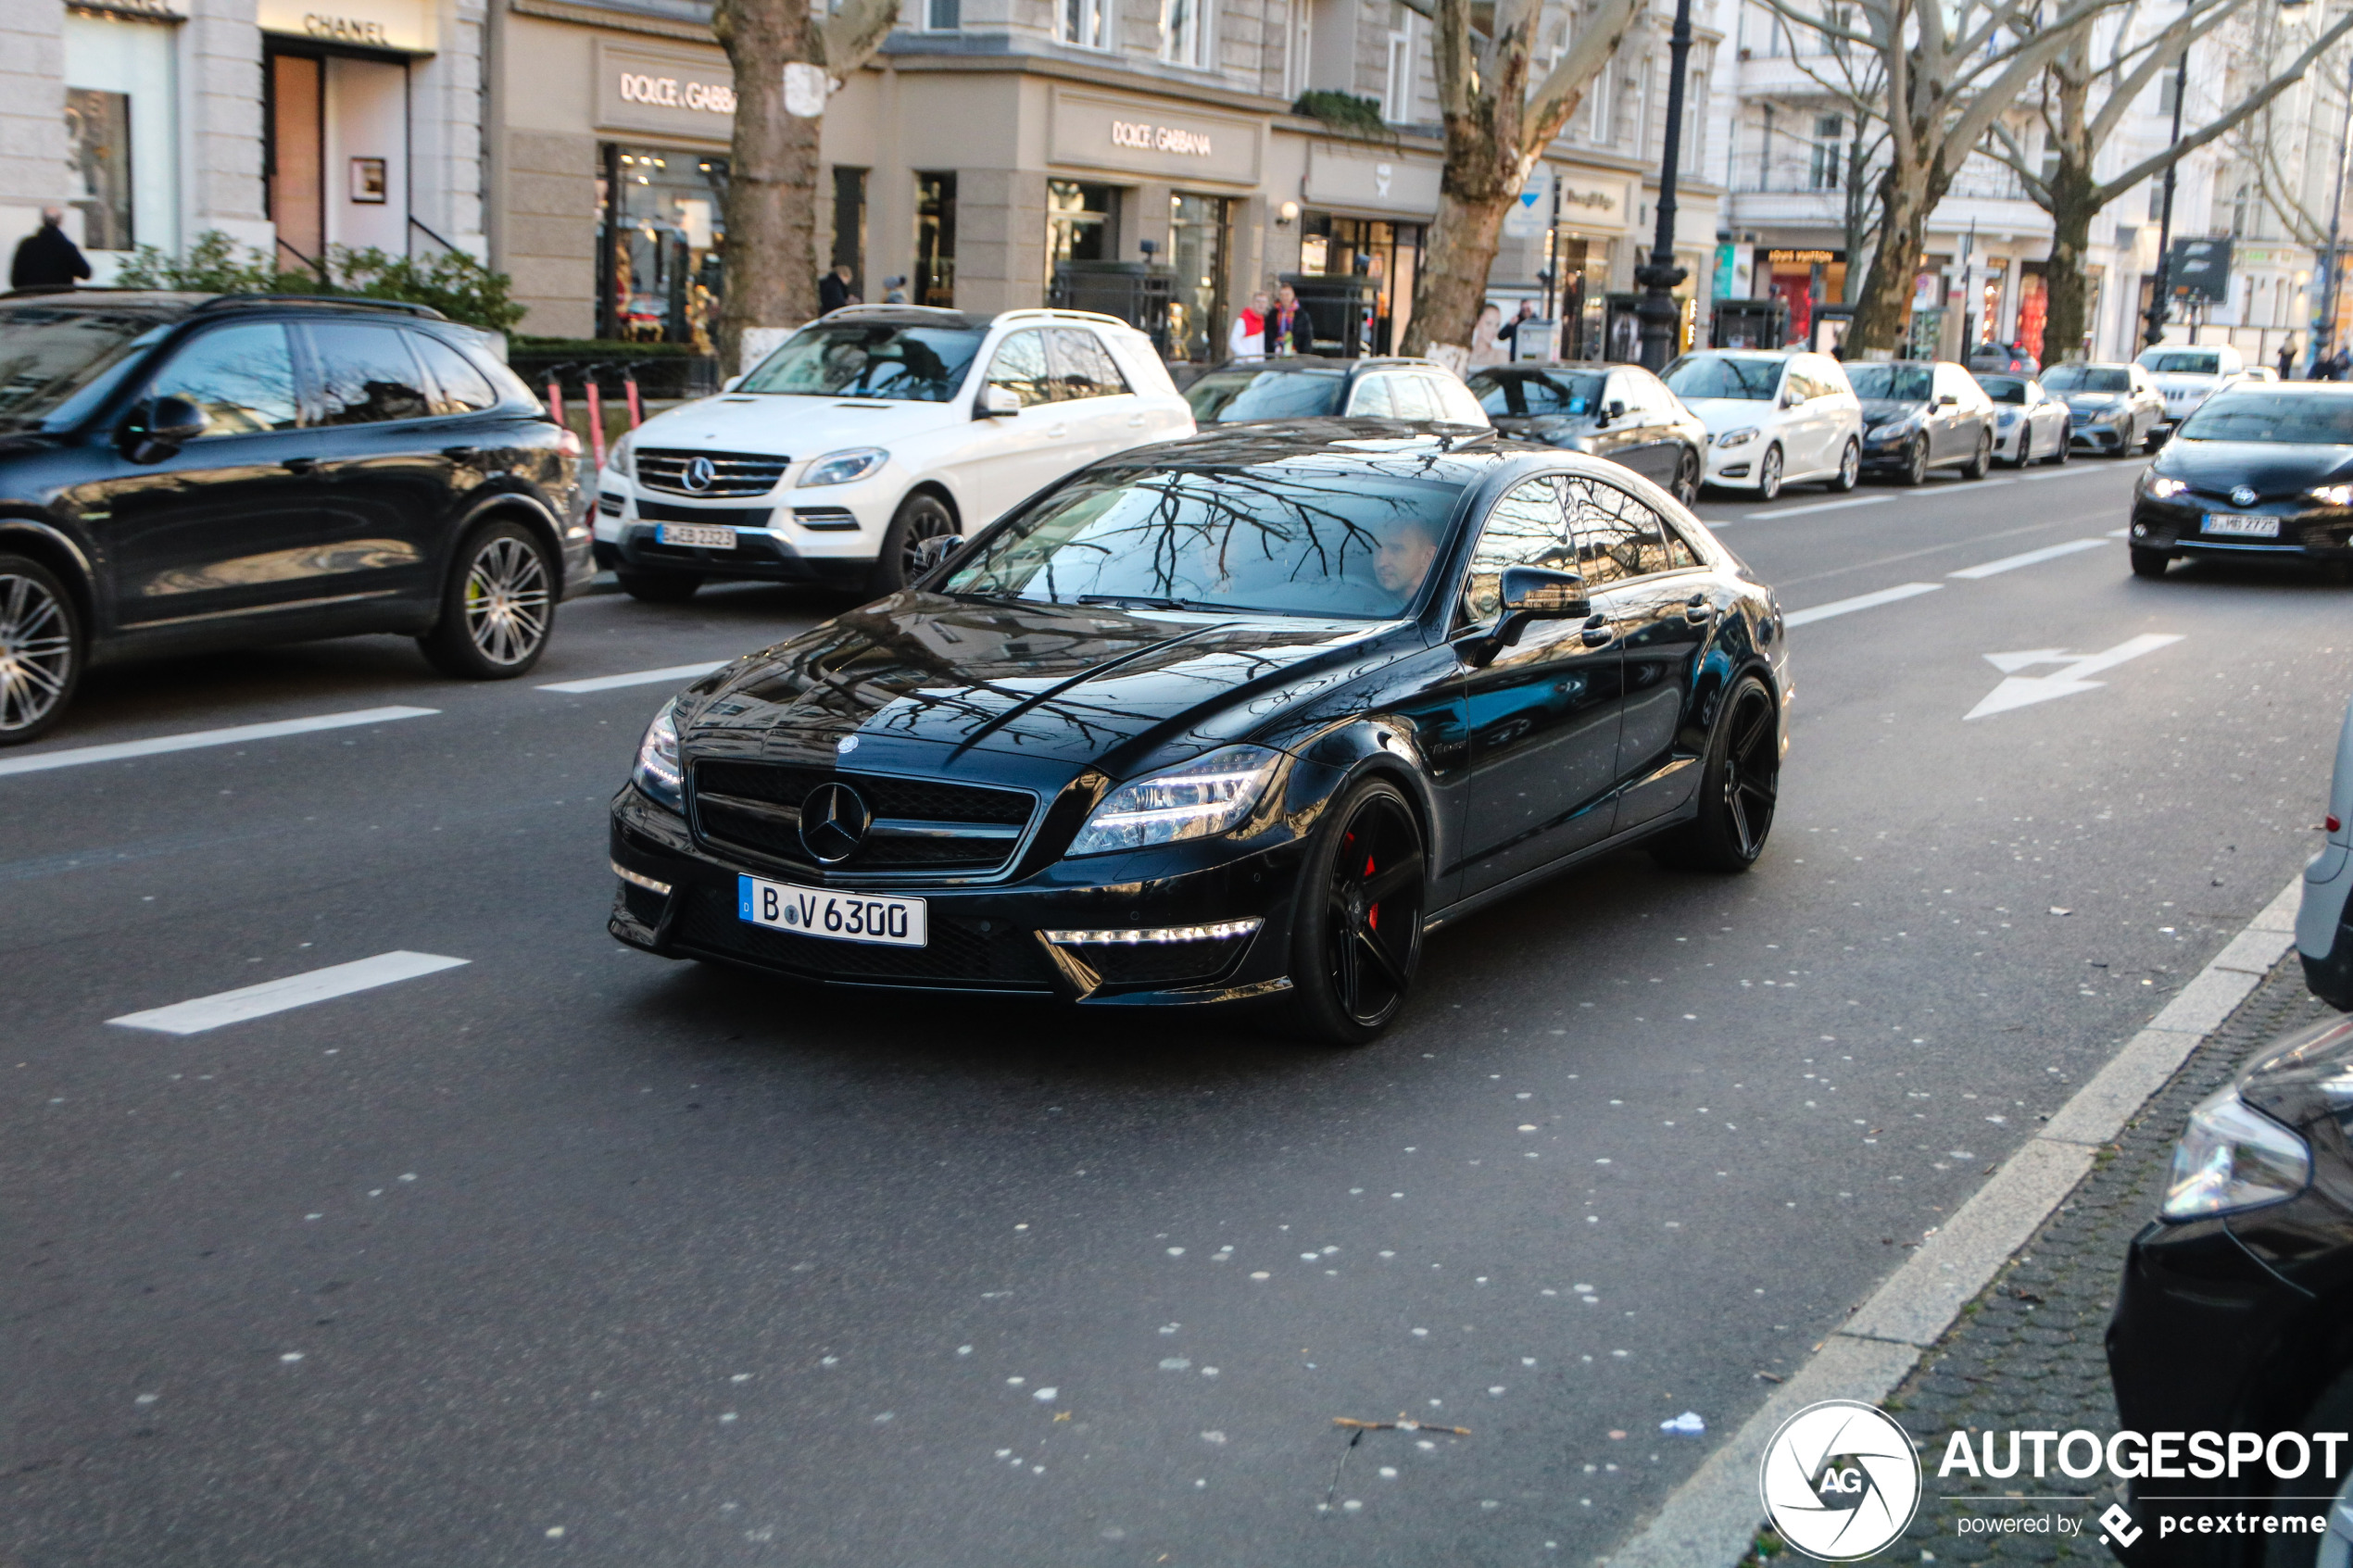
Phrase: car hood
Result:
[923,678]
[1730,413]
[793,426]
[1878,410]
[1544,427]
[2274,469]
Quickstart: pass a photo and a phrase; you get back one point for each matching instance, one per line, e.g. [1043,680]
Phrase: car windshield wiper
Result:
[1149,601]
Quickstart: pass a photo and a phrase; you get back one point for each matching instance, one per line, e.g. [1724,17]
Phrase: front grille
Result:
[726,517]
[959,953]
[756,807]
[734,473]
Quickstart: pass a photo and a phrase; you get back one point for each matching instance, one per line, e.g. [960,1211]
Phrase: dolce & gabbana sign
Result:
[1095,132]
[679,94]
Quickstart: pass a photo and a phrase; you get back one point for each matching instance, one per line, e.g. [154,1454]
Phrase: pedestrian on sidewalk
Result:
[1248,338]
[47,257]
[2287,359]
[833,289]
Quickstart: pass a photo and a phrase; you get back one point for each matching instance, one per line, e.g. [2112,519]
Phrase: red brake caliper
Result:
[1372,916]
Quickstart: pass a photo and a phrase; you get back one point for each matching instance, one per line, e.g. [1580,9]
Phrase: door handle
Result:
[300,465]
[1055,432]
[1697,610]
[1597,633]
[461,453]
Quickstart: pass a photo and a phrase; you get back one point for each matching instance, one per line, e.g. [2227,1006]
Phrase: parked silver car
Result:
[2028,422]
[2322,937]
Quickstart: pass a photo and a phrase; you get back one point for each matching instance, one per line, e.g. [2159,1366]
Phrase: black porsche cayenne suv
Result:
[1234,719]
[185,472]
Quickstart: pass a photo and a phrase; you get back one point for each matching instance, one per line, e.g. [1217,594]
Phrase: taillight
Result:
[2332,824]
[570,442]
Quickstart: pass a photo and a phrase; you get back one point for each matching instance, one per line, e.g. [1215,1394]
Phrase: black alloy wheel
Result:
[1850,468]
[1769,474]
[2149,563]
[1915,461]
[1984,458]
[921,515]
[498,608]
[1357,926]
[1737,789]
[1686,486]
[2066,441]
[657,587]
[40,649]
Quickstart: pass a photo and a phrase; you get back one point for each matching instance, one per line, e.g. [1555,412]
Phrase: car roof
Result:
[170,304]
[1325,364]
[1461,454]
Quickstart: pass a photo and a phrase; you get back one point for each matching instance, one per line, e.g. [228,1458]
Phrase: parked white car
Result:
[1772,418]
[867,433]
[2028,422]
[2187,376]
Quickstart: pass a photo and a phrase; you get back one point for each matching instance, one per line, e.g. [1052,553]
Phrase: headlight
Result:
[840,467]
[1892,428]
[658,773]
[2008,417]
[2334,495]
[1737,438]
[2234,1157]
[1205,797]
[617,457]
[2166,489]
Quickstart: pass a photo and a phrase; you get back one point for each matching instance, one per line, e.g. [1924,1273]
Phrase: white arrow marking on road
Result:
[294,991]
[2024,691]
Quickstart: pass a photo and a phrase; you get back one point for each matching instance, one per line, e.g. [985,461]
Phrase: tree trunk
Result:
[1476,191]
[2066,289]
[769,258]
[1906,197]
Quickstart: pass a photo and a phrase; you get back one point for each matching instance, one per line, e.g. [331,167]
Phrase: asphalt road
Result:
[570,1253]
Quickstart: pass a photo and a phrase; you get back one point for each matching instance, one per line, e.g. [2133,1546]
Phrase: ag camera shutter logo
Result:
[1840,1480]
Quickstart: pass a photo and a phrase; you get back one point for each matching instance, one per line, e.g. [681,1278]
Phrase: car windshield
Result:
[1716,375]
[878,359]
[1351,541]
[1537,391]
[2285,418]
[50,354]
[1236,396]
[2001,389]
[1890,383]
[2207,363]
[2088,378]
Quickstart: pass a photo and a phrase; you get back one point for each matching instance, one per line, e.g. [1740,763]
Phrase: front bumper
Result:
[985,939]
[1734,468]
[830,535]
[2178,527]
[1888,454]
[2324,927]
[2098,437]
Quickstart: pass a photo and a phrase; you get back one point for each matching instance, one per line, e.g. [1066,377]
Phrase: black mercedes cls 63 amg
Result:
[1237,719]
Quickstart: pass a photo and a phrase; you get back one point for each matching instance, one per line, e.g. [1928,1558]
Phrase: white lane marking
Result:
[1861,601]
[294,991]
[2024,691]
[1816,507]
[635,678]
[76,756]
[2119,533]
[2030,558]
[2063,473]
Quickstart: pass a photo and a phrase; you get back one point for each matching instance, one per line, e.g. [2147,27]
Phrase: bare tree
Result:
[787,56]
[1855,80]
[1953,68]
[2098,59]
[1497,126]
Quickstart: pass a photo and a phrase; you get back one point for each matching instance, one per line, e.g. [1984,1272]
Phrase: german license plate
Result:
[701,536]
[835,915]
[2242,526]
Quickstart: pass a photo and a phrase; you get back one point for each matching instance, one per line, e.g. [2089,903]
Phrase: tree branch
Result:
[1557,95]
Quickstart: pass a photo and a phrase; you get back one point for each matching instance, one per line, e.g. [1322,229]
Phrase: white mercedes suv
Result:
[868,432]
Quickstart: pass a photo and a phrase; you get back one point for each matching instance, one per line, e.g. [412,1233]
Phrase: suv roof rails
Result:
[1055,313]
[364,302]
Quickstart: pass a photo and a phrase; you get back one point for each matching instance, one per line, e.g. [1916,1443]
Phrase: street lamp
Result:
[2324,318]
[2158,302]
[1659,276]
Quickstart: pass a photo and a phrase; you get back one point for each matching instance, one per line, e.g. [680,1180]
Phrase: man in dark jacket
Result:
[833,289]
[48,257]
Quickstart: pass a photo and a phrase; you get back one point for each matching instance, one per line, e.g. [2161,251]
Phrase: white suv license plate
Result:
[701,536]
[837,915]
[2242,526]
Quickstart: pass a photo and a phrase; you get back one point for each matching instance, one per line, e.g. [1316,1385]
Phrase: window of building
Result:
[1082,222]
[1601,121]
[122,145]
[1694,121]
[850,225]
[1085,23]
[2168,91]
[1184,34]
[1397,85]
[1300,48]
[1827,129]
[1196,256]
[943,15]
[662,223]
[1642,127]
[935,240]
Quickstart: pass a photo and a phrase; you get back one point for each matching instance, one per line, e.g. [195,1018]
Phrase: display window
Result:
[660,222]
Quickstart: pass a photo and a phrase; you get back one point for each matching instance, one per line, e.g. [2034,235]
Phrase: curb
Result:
[1712,1519]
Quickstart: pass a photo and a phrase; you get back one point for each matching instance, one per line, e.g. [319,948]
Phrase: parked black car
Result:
[1231,720]
[2111,408]
[2261,468]
[1923,415]
[1621,412]
[1307,386]
[2236,1314]
[183,471]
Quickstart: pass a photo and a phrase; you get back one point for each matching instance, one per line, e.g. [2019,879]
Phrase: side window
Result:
[464,390]
[242,377]
[1083,367]
[1020,364]
[1525,528]
[1373,399]
[1457,403]
[1617,536]
[366,373]
[1797,386]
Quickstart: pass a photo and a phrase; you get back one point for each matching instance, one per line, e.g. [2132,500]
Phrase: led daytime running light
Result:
[1222,931]
[633,880]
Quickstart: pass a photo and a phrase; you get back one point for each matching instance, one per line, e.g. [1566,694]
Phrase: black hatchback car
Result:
[2261,469]
[1234,719]
[183,471]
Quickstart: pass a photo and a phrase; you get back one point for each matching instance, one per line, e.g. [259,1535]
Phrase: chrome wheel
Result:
[1373,911]
[1850,466]
[36,654]
[1752,772]
[508,601]
[1769,474]
[1686,480]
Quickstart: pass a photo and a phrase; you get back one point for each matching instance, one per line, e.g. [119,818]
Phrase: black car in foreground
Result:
[183,471]
[2235,1323]
[1235,719]
[2261,468]
[1621,412]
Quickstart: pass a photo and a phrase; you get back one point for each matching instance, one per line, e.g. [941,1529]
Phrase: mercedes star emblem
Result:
[832,822]
[2243,497]
[700,473]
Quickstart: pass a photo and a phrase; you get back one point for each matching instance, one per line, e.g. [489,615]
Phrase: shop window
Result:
[935,240]
[1389,254]
[98,131]
[1085,23]
[1082,222]
[943,15]
[122,116]
[1184,34]
[850,225]
[661,224]
[1196,256]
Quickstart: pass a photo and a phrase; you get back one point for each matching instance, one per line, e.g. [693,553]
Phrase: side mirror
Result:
[161,426]
[936,549]
[731,383]
[1949,400]
[1791,399]
[1529,593]
[996,402]
[1616,409]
